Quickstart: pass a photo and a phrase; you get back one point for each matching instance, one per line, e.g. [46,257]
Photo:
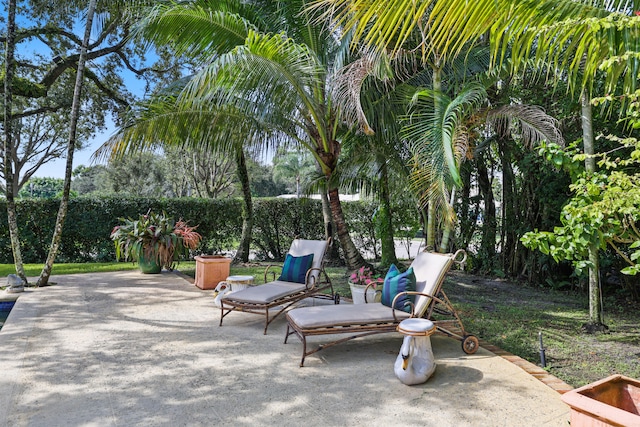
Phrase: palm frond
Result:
[269,77]
[433,127]
[357,15]
[534,124]
[432,189]
[196,29]
[348,84]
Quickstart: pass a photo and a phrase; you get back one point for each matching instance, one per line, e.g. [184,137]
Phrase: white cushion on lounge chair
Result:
[260,299]
[429,268]
[328,316]
[264,294]
[301,247]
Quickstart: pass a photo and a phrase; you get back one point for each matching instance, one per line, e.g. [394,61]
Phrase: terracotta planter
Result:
[210,270]
[613,401]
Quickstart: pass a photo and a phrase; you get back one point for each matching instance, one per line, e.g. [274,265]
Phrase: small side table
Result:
[415,362]
[230,284]
[238,283]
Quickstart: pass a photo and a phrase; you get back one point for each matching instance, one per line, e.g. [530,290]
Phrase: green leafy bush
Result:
[90,221]
[278,221]
[360,218]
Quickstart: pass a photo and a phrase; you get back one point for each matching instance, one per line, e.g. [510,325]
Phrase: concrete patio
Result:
[126,349]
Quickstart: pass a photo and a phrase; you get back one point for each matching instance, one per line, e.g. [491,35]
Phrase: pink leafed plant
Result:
[366,276]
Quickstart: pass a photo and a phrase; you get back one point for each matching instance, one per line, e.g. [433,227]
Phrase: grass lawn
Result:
[502,313]
[33,270]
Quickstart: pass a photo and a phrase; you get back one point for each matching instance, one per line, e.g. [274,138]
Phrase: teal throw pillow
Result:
[295,268]
[395,283]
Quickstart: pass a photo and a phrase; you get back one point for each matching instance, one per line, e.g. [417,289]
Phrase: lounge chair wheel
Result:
[336,298]
[470,344]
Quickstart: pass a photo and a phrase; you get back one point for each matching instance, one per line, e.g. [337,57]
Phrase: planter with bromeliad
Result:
[154,241]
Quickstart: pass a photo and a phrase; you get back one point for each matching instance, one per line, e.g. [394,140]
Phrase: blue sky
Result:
[55,169]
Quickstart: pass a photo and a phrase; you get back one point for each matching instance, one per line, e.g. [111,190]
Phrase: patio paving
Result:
[126,349]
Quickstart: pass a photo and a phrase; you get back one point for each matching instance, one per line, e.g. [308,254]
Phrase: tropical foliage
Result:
[365,276]
[433,110]
[265,75]
[154,236]
[604,209]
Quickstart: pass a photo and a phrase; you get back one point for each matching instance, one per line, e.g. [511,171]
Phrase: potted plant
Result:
[154,241]
[364,280]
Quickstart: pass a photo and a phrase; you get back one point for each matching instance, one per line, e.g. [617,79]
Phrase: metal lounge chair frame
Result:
[374,318]
[275,293]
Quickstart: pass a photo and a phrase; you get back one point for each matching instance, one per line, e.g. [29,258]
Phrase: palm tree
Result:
[275,86]
[577,36]
[292,165]
[372,92]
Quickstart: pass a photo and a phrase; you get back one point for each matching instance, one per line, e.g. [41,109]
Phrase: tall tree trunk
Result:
[595,309]
[384,218]
[488,244]
[509,238]
[448,227]
[431,227]
[73,126]
[468,215]
[242,255]
[352,256]
[431,210]
[333,254]
[9,146]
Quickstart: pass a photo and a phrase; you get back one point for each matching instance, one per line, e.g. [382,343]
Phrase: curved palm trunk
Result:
[242,255]
[73,126]
[333,255]
[352,256]
[10,187]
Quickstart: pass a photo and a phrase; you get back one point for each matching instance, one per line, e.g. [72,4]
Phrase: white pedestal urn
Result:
[358,293]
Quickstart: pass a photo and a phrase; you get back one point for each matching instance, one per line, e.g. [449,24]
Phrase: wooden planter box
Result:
[210,270]
[613,401]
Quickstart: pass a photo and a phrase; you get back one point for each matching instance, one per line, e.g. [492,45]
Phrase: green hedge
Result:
[90,221]
[279,221]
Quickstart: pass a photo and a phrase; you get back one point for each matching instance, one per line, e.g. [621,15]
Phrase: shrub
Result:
[90,221]
[279,221]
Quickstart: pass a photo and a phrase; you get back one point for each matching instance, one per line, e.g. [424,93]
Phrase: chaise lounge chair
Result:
[374,318]
[302,276]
